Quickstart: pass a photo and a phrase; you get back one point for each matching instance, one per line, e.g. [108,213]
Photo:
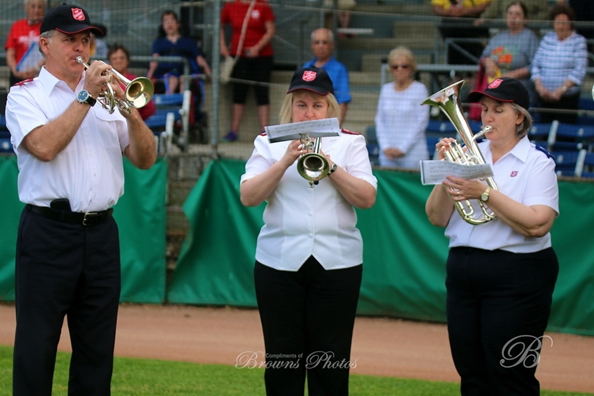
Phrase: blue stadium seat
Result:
[588,105]
[566,162]
[539,133]
[568,137]
[5,145]
[441,128]
[170,109]
[431,142]
[585,165]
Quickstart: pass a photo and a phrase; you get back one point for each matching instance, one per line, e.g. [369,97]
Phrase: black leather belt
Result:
[64,216]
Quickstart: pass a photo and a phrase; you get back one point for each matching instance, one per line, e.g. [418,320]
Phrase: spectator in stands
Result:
[510,53]
[71,173]
[308,256]
[400,122]
[22,49]
[537,10]
[255,61]
[171,42]
[457,22]
[344,8]
[322,45]
[500,275]
[584,11]
[559,67]
[119,58]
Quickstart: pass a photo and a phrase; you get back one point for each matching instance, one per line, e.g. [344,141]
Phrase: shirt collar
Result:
[520,150]
[49,81]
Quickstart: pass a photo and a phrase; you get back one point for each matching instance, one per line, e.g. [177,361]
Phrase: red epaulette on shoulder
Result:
[24,81]
[349,132]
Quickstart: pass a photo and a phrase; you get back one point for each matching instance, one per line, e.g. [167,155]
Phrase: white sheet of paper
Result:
[434,172]
[315,128]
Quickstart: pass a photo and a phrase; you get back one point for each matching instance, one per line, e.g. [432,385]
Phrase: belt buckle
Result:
[89,218]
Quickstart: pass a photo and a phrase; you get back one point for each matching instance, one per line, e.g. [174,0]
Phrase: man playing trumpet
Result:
[70,176]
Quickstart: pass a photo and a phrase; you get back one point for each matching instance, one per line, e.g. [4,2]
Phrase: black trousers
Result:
[498,306]
[307,319]
[253,69]
[65,270]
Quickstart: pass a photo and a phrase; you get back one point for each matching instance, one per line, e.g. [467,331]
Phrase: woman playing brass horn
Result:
[501,274]
[309,252]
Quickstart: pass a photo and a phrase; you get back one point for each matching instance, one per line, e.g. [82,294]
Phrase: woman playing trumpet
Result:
[501,274]
[309,252]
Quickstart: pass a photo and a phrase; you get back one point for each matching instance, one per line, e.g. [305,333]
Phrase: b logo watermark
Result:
[524,350]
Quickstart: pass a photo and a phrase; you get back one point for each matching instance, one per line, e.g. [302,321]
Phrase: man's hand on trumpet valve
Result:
[95,78]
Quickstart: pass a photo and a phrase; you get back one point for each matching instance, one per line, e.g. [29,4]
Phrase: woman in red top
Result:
[22,51]
[119,58]
[255,60]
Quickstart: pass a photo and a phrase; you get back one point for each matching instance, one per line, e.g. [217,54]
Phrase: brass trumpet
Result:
[138,92]
[312,166]
[447,100]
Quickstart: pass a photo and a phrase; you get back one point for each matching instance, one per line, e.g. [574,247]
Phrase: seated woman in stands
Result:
[510,53]
[559,67]
[400,121]
[171,43]
[119,58]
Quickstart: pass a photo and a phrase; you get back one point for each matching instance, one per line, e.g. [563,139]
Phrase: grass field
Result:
[136,377]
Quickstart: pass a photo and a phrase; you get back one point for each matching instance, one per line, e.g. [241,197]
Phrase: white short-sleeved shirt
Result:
[526,175]
[89,171]
[301,221]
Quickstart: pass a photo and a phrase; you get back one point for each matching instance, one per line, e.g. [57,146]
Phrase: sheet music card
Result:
[315,128]
[434,172]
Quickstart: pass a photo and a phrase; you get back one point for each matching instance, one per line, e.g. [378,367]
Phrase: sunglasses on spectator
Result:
[396,67]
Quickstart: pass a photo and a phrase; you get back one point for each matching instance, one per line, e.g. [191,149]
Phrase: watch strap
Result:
[485,194]
[333,168]
[89,100]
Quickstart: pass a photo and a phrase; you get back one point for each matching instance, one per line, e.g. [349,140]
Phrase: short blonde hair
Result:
[286,111]
[523,128]
[407,53]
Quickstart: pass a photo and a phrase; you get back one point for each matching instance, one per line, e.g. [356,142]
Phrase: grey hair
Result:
[524,127]
[25,2]
[330,34]
[46,35]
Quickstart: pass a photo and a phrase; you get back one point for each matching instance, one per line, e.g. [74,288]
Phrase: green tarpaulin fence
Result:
[141,218]
[404,255]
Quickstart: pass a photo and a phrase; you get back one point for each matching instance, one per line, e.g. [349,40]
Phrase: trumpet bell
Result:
[313,167]
[139,92]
